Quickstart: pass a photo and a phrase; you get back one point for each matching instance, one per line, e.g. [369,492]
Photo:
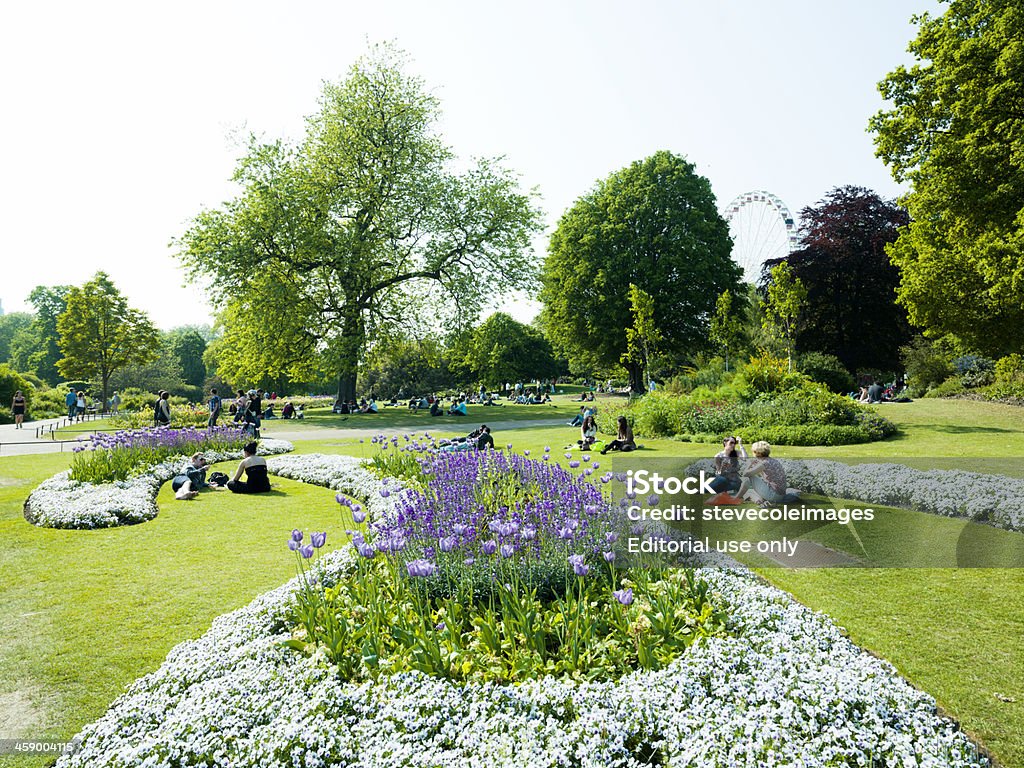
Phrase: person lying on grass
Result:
[187,485]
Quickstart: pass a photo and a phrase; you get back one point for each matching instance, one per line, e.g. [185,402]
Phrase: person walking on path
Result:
[18,409]
[215,406]
[71,401]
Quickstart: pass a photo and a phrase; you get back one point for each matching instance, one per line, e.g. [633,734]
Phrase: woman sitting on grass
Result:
[765,479]
[588,433]
[255,469]
[624,440]
[727,465]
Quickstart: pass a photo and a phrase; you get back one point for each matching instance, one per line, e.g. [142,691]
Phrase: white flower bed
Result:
[789,690]
[994,499]
[64,503]
[346,474]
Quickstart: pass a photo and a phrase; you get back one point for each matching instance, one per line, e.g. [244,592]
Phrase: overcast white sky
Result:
[118,117]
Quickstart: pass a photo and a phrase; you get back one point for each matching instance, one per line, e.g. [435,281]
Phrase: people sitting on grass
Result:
[577,420]
[268,412]
[727,465]
[188,484]
[299,412]
[479,439]
[458,409]
[624,440]
[588,433]
[764,480]
[369,406]
[288,411]
[435,409]
[255,469]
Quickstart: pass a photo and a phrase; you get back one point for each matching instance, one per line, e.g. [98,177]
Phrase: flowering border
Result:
[993,499]
[60,502]
[789,689]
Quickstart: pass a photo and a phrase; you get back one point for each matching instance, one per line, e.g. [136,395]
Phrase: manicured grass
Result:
[84,613]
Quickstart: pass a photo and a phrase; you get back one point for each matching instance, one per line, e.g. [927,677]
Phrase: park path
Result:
[21,442]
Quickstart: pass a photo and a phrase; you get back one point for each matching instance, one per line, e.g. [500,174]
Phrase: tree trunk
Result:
[636,379]
[352,340]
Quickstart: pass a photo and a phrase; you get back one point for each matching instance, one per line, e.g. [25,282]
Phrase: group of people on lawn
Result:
[187,484]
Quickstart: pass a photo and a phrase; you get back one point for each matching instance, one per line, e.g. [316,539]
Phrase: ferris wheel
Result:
[762,228]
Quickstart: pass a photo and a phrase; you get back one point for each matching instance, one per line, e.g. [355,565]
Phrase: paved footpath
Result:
[19,442]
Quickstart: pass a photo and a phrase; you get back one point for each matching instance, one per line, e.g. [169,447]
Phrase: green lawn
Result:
[83,613]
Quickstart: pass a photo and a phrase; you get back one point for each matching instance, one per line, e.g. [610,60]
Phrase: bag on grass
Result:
[218,479]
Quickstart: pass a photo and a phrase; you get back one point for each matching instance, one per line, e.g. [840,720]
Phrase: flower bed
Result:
[993,499]
[790,689]
[61,502]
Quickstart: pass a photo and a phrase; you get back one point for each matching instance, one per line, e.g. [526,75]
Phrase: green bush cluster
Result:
[827,370]
[10,382]
[766,401]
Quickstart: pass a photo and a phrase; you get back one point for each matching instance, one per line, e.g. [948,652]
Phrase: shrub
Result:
[795,434]
[974,370]
[712,374]
[827,370]
[10,382]
[1009,377]
[951,387]
[767,375]
[926,366]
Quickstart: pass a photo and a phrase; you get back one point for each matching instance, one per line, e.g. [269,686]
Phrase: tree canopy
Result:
[654,225]
[954,130]
[330,237]
[503,350]
[850,310]
[100,334]
[34,349]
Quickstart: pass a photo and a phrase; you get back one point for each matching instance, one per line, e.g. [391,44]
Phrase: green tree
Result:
[727,329]
[654,225]
[11,324]
[954,132]
[786,296]
[187,345]
[851,310]
[400,367]
[162,372]
[329,238]
[100,334]
[642,338]
[34,349]
[501,349]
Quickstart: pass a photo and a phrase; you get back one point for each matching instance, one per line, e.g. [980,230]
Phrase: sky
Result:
[121,121]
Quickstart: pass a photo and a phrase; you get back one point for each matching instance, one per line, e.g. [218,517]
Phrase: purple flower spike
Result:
[318,539]
[296,534]
[624,596]
[420,568]
[306,551]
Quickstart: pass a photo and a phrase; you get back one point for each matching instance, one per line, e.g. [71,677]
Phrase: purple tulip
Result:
[306,551]
[365,550]
[624,596]
[547,449]
[296,535]
[489,547]
[293,545]
[568,455]
[565,533]
[318,539]
[609,557]
[653,499]
[574,464]
[526,452]
[509,446]
[385,492]
[342,499]
[611,537]
[358,516]
[469,560]
[448,543]
[420,568]
[494,526]
[528,533]
[459,529]
[578,566]
[507,550]
[585,458]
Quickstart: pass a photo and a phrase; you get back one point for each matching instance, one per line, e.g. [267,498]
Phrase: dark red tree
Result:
[851,309]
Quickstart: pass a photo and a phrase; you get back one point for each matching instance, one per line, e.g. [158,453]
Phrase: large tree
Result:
[654,225]
[329,238]
[35,348]
[955,131]
[187,345]
[850,310]
[11,324]
[502,350]
[100,334]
